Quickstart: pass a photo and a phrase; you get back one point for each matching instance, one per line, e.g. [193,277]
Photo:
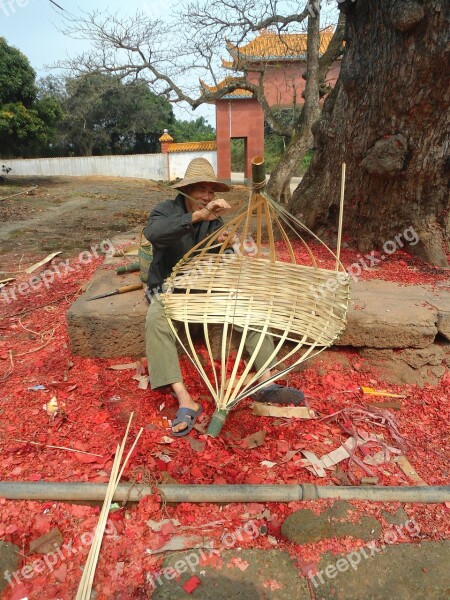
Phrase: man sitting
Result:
[175,227]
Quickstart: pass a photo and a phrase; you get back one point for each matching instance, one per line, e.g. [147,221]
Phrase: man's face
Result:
[200,194]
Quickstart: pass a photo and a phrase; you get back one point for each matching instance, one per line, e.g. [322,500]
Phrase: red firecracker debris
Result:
[191,584]
[35,362]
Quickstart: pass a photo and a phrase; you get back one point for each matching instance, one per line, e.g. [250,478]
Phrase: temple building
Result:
[281,60]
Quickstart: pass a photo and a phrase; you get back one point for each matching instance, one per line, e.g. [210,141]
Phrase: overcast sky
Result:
[32,27]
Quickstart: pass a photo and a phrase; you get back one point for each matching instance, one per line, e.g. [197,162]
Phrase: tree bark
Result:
[388,119]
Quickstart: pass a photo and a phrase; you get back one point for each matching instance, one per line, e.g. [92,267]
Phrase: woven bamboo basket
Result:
[145,257]
[254,290]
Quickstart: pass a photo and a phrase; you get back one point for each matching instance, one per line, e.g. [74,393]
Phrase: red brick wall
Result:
[238,119]
[244,118]
[283,83]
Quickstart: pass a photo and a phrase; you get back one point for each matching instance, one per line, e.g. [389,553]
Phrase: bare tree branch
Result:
[172,57]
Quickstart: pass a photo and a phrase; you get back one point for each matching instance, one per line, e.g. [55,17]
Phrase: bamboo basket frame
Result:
[256,292]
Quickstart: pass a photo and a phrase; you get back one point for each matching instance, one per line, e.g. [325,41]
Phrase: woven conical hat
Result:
[200,170]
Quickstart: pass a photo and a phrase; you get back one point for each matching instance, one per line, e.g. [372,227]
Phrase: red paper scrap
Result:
[191,584]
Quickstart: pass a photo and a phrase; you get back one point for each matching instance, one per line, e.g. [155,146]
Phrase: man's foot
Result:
[185,420]
[185,401]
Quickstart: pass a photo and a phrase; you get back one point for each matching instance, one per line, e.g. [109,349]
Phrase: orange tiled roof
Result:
[192,146]
[166,138]
[275,46]
[238,93]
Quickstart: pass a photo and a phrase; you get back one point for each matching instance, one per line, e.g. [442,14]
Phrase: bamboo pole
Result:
[341,217]
[258,174]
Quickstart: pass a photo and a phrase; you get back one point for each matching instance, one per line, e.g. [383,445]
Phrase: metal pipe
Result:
[49,490]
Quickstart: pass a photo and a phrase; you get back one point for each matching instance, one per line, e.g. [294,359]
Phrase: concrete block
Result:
[383,314]
[110,327]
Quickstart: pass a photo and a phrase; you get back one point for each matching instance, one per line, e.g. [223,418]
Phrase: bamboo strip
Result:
[82,593]
[101,526]
[251,359]
[286,241]
[269,226]
[258,229]
[341,216]
[245,384]
[230,384]
[210,355]
[247,219]
[85,587]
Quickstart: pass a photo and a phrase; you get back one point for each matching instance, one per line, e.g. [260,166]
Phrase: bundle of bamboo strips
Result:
[87,579]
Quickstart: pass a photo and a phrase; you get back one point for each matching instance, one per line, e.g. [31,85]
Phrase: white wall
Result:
[142,166]
[180,160]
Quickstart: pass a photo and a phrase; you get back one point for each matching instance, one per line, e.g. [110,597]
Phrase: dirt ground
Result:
[71,213]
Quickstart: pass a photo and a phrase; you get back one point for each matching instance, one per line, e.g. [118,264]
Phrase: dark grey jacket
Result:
[172,233]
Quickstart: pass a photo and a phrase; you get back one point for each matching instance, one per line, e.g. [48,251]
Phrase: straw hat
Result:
[200,170]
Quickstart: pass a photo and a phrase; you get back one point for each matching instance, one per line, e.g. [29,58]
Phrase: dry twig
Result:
[11,368]
[57,447]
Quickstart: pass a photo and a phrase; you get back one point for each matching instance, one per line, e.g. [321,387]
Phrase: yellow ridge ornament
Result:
[302,307]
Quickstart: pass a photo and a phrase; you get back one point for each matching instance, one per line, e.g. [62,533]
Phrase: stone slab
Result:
[402,571]
[109,327]
[384,314]
[381,315]
[243,575]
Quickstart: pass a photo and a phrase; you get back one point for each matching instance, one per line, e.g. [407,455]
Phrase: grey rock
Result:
[411,366]
[9,562]
[403,571]
[398,518]
[109,327]
[304,526]
[230,581]
[383,314]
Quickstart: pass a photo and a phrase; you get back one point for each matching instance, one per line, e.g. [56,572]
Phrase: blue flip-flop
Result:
[188,416]
[279,394]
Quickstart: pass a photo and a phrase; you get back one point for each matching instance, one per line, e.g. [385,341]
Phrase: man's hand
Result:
[223,237]
[213,210]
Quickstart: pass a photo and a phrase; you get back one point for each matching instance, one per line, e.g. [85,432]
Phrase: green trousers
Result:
[161,348]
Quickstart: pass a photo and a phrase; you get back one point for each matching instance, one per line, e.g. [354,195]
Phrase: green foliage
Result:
[237,155]
[192,131]
[103,115]
[274,146]
[17,78]
[26,124]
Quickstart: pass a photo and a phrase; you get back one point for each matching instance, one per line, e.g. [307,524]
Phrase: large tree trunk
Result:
[388,119]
